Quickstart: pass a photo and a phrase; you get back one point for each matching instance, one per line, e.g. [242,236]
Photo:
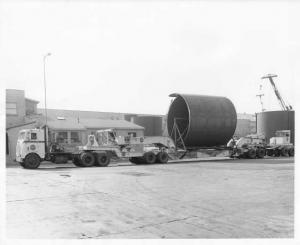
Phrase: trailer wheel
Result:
[32,161]
[276,152]
[270,152]
[284,152]
[251,153]
[260,152]
[102,160]
[291,152]
[87,159]
[149,157]
[76,161]
[162,157]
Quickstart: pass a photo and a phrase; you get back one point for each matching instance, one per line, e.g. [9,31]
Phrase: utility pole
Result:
[45,86]
[45,90]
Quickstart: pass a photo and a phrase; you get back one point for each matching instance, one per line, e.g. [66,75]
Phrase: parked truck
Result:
[255,146]
[31,149]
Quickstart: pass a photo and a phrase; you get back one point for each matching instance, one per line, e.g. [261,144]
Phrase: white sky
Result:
[128,57]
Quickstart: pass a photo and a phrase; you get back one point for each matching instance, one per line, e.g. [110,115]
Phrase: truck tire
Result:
[162,157]
[102,160]
[251,153]
[260,153]
[270,152]
[149,157]
[76,161]
[31,161]
[284,152]
[291,152]
[277,153]
[87,159]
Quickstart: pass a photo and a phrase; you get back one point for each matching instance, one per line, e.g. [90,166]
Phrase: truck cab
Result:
[30,149]
[282,137]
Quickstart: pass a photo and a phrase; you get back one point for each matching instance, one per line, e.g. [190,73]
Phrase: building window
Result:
[11,108]
[33,136]
[132,134]
[75,137]
[62,137]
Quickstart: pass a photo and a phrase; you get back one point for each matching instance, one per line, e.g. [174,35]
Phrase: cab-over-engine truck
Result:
[32,149]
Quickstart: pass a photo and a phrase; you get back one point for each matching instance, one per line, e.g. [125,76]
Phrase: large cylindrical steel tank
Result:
[203,121]
[152,124]
[268,122]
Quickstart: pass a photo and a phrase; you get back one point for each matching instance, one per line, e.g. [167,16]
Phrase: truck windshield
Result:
[22,136]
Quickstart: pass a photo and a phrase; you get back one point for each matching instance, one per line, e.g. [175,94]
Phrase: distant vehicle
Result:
[255,146]
[281,144]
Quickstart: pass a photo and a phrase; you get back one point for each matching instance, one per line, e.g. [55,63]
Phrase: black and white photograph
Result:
[166,120]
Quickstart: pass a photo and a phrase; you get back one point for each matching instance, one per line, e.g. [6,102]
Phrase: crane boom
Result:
[280,99]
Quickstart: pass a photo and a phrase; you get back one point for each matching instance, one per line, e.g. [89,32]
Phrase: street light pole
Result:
[45,87]
[45,90]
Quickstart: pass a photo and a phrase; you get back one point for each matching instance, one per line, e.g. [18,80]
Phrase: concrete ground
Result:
[212,199]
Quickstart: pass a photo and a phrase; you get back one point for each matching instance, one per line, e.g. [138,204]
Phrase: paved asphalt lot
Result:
[212,199]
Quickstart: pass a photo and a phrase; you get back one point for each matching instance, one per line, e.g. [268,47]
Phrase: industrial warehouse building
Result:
[71,127]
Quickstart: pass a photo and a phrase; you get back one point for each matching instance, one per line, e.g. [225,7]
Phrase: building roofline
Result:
[20,125]
[35,101]
[122,113]
[12,89]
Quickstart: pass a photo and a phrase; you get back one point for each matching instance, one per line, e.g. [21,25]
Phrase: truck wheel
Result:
[270,152]
[291,152]
[87,159]
[251,153]
[76,161]
[276,152]
[284,152]
[102,160]
[260,152]
[162,157]
[32,161]
[149,157]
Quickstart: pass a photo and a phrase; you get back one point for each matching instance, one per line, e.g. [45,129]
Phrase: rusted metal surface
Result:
[202,120]
[270,121]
